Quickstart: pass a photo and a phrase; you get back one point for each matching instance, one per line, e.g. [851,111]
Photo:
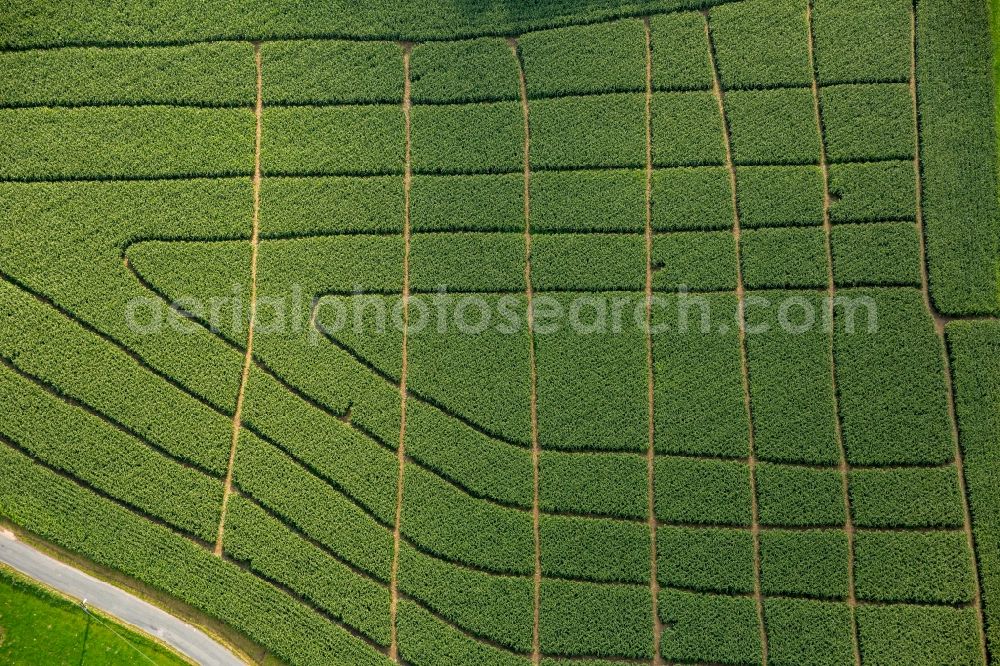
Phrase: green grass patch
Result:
[791,388]
[872,191]
[599,131]
[705,559]
[467,138]
[698,390]
[333,140]
[789,495]
[604,57]
[211,74]
[915,497]
[876,254]
[701,261]
[691,199]
[710,492]
[40,627]
[772,126]
[588,200]
[331,71]
[680,52]
[468,70]
[57,143]
[869,121]
[771,196]
[761,43]
[611,484]
[782,258]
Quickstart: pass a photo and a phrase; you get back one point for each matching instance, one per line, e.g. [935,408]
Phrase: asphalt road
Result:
[113,601]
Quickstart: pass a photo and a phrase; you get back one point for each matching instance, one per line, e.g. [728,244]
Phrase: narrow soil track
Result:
[939,327]
[401,449]
[536,649]
[248,356]
[654,585]
[831,292]
[744,366]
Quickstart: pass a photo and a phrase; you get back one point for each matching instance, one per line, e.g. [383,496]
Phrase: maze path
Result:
[831,291]
[649,166]
[744,363]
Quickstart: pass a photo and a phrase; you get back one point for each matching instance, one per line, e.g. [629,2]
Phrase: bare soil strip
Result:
[248,356]
[654,585]
[939,327]
[744,367]
[536,651]
[831,289]
[401,449]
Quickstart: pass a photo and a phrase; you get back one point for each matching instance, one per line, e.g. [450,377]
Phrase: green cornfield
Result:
[488,333]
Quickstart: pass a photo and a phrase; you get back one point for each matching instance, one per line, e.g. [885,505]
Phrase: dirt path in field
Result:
[831,290]
[654,585]
[401,448]
[248,356]
[939,327]
[744,366]
[536,651]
